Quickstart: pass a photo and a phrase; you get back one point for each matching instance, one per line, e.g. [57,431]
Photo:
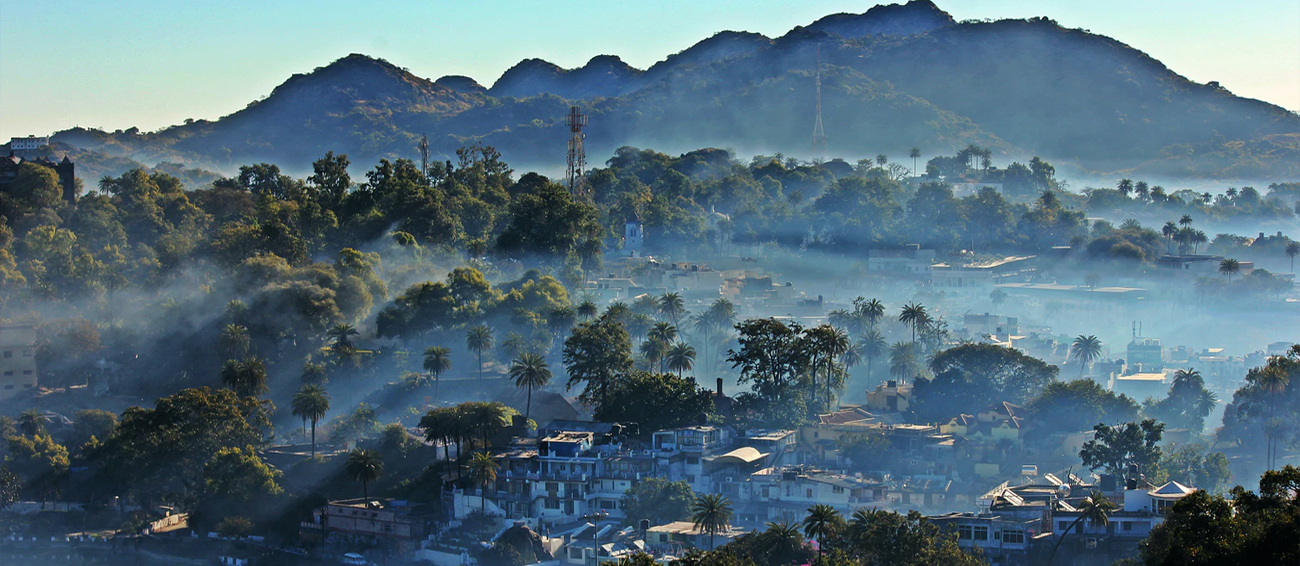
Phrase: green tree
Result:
[656,401]
[365,466]
[1229,267]
[530,371]
[310,403]
[234,341]
[479,339]
[658,500]
[711,513]
[680,358]
[246,377]
[238,475]
[1115,448]
[32,422]
[596,355]
[672,307]
[914,315]
[822,522]
[1095,509]
[1292,250]
[437,360]
[483,472]
[1085,349]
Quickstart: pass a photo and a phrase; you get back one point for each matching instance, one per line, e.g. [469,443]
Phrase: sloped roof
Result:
[1173,489]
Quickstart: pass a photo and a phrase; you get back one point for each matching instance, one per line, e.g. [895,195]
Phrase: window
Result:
[1063,525]
[9,372]
[690,479]
[809,492]
[837,489]
[692,460]
[10,386]
[606,504]
[27,372]
[964,532]
[552,504]
[9,354]
[981,533]
[27,353]
[1013,537]
[1126,525]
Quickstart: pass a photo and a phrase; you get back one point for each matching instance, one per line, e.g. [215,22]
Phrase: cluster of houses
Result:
[565,484]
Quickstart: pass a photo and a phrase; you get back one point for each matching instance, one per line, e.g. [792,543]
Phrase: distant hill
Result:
[894,77]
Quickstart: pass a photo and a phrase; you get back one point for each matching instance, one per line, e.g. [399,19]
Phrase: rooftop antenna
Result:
[424,155]
[577,158]
[819,135]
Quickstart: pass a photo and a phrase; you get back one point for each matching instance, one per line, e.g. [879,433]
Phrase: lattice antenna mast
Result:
[424,155]
[819,134]
[577,155]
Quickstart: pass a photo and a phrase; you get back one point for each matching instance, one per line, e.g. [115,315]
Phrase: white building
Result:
[633,238]
[29,143]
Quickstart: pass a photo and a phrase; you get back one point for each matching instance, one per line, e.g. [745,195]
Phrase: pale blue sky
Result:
[152,63]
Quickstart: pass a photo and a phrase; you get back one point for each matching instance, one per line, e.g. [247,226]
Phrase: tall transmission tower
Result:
[819,134]
[424,155]
[577,155]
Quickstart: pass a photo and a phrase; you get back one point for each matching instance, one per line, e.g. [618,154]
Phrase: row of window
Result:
[11,372]
[981,532]
[10,353]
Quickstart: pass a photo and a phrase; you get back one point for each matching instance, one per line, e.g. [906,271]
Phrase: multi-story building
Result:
[1003,540]
[393,524]
[680,453]
[784,494]
[17,359]
[909,260]
[29,143]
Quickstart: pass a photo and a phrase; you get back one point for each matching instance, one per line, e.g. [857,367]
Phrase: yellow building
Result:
[17,359]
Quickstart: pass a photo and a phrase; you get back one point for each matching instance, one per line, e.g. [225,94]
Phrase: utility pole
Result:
[577,158]
[819,135]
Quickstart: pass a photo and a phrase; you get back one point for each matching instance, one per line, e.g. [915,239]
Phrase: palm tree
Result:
[234,341]
[365,466]
[881,160]
[589,252]
[1274,381]
[440,426]
[1229,267]
[483,472]
[662,331]
[437,359]
[1185,221]
[486,418]
[479,339]
[342,335]
[530,370]
[913,314]
[1085,349]
[781,542]
[852,356]
[711,513]
[680,357]
[654,351]
[902,360]
[914,154]
[671,306]
[587,310]
[246,377]
[833,344]
[822,521]
[311,403]
[32,423]
[873,346]
[997,297]
[871,310]
[513,344]
[1292,250]
[1096,509]
[1169,231]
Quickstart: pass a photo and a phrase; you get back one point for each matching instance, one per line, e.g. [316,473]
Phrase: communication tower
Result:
[819,135]
[424,154]
[577,155]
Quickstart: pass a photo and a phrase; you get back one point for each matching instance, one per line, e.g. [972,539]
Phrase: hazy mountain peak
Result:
[916,16]
[461,84]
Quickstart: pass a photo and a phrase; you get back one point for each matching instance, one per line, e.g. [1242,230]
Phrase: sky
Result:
[154,63]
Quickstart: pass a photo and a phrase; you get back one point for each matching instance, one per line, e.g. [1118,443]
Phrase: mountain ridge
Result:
[897,76]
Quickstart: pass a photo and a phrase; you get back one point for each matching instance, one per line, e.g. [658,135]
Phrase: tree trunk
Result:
[313,438]
[528,408]
[1062,539]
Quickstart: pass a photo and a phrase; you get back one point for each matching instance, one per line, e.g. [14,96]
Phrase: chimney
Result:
[719,387]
